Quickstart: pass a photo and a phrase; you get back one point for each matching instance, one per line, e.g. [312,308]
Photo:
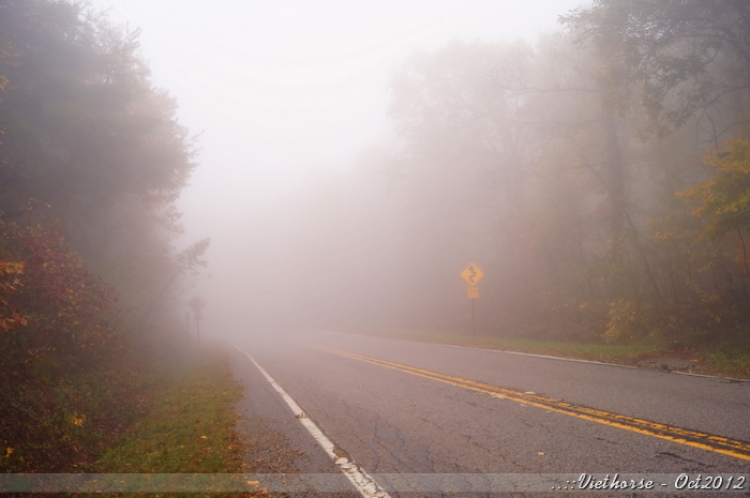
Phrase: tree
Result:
[63,325]
[674,58]
[89,136]
[681,57]
[84,126]
[725,198]
[186,261]
[91,161]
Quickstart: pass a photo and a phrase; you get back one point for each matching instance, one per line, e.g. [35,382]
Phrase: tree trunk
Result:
[615,177]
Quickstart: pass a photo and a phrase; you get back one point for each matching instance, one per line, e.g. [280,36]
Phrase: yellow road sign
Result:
[473,292]
[472,274]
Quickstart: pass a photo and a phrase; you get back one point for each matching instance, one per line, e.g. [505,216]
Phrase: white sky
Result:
[283,85]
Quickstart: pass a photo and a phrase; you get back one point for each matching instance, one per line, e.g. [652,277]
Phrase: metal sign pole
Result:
[472,274]
[473,317]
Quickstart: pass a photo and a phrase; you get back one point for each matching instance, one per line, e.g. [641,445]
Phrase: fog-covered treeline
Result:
[91,161]
[598,177]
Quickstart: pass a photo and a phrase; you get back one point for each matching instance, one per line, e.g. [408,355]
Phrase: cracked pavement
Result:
[391,421]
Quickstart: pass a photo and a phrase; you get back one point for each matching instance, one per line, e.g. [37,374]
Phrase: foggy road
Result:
[406,407]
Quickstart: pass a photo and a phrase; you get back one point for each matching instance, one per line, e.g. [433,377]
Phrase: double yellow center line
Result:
[731,447]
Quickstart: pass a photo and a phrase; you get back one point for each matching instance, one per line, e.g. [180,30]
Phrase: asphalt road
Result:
[406,407]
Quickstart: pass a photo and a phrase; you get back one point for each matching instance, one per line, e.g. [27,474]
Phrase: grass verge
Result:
[190,427]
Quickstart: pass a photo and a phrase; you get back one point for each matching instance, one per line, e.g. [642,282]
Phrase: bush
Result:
[63,384]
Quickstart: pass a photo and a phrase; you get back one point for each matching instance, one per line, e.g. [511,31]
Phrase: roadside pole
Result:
[473,318]
[197,303]
[472,274]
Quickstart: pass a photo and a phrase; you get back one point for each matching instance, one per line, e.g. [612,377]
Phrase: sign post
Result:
[197,303]
[472,274]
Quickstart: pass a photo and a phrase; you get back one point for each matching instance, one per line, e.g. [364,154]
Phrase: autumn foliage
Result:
[67,307]
[91,159]
[60,326]
[725,198]
[10,317]
[600,177]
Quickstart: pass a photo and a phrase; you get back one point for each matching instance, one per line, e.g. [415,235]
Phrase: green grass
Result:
[190,428]
[734,361]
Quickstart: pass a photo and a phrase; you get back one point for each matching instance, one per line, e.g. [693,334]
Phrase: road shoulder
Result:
[275,440]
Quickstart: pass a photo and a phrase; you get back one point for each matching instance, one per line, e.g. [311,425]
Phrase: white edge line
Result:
[361,480]
[594,362]
[558,358]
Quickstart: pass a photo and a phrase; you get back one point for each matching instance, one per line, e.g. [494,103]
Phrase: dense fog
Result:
[557,164]
[172,172]
[349,162]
